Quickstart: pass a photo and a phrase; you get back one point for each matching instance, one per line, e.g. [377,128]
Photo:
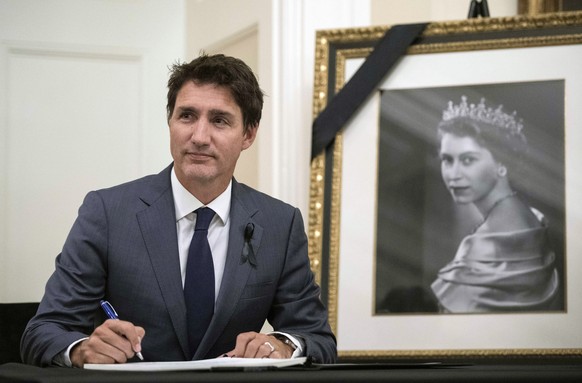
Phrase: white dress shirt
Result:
[185,204]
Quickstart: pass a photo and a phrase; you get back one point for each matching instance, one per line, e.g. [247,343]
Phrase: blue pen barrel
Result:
[109,310]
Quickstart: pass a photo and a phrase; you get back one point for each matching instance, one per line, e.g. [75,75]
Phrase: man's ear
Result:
[249,136]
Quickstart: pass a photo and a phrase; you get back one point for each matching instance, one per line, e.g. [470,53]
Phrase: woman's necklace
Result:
[512,194]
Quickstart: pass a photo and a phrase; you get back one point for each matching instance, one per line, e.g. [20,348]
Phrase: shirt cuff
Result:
[299,345]
[64,358]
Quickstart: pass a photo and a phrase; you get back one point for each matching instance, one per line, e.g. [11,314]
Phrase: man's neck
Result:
[204,192]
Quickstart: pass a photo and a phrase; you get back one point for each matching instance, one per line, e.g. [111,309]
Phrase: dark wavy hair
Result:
[221,70]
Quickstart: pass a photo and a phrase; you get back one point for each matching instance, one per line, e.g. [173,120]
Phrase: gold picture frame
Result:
[338,55]
[534,7]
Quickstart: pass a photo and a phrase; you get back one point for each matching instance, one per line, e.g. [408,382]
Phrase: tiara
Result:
[495,117]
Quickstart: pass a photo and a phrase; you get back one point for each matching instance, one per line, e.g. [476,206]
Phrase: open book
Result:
[205,364]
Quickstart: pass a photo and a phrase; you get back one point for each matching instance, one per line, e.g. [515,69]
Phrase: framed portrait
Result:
[387,226]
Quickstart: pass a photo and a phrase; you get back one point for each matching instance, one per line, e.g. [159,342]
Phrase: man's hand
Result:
[115,341]
[256,345]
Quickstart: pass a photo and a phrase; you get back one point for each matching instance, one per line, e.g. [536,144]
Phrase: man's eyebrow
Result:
[221,112]
[186,109]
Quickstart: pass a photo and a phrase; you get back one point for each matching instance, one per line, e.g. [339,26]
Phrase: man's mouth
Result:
[196,156]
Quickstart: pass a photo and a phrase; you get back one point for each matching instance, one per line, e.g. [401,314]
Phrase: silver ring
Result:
[270,346]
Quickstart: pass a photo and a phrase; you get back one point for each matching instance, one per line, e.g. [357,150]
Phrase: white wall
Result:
[391,12]
[82,106]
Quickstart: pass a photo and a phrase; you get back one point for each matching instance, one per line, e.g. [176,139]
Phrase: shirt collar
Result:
[185,203]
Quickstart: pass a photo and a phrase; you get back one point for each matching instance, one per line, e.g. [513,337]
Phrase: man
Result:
[131,245]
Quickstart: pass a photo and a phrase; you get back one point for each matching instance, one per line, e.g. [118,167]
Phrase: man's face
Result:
[206,138]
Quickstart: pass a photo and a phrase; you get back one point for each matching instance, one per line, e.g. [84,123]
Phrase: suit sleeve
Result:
[68,308]
[297,308]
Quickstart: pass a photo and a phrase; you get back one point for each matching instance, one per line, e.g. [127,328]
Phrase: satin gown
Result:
[507,271]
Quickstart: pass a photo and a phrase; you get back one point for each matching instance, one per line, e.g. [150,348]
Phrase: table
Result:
[531,372]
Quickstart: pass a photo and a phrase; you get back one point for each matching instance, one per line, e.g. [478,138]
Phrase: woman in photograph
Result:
[506,263]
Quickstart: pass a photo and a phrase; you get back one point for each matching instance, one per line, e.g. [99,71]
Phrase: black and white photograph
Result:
[471,199]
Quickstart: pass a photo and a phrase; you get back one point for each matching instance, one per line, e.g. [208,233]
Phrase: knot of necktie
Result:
[203,217]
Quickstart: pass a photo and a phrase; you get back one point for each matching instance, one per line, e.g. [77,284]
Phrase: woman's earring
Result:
[502,171]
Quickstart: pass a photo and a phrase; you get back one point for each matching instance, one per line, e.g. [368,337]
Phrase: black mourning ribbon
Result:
[248,254]
[344,104]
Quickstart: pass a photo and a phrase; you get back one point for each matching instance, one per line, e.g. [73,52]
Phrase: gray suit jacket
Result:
[123,248]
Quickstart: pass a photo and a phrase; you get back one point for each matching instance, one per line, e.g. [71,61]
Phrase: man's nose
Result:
[200,132]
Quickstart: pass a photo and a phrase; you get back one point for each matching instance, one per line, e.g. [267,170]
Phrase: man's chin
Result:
[200,177]
[196,173]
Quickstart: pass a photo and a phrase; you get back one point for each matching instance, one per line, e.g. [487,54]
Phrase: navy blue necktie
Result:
[199,283]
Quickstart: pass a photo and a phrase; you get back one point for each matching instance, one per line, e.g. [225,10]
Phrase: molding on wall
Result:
[241,35]
[294,26]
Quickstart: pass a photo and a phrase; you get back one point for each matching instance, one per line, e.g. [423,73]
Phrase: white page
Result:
[206,364]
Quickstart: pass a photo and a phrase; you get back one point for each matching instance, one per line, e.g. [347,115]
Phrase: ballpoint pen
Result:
[112,314]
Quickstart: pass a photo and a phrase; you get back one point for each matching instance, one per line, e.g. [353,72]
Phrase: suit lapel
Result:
[236,272]
[158,228]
